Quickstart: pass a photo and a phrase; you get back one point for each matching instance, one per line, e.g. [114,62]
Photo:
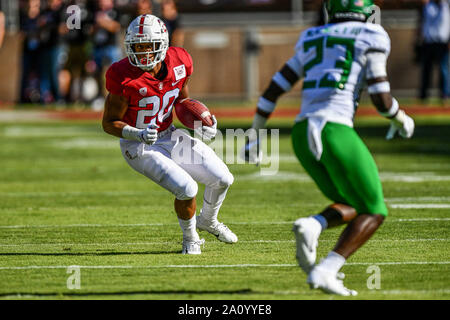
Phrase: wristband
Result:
[392,112]
[266,105]
[379,87]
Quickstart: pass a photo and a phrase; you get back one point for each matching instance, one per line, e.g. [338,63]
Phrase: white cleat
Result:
[328,282]
[217,229]
[307,232]
[192,247]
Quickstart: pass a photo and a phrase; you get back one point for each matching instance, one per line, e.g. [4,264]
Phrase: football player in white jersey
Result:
[336,61]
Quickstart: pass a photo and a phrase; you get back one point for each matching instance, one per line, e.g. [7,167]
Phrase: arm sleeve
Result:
[377,39]
[376,64]
[281,82]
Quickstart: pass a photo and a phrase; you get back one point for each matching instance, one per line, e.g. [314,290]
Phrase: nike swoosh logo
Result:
[174,83]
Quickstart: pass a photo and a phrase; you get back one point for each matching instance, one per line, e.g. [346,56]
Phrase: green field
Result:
[68,198]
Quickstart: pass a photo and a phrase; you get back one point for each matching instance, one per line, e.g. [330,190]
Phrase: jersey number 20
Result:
[163,111]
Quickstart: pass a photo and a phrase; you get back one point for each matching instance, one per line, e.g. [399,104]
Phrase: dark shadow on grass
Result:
[430,139]
[122,293]
[111,253]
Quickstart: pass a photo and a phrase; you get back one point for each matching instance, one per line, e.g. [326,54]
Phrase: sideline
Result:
[10,115]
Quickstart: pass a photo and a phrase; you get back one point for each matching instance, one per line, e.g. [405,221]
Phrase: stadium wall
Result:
[236,62]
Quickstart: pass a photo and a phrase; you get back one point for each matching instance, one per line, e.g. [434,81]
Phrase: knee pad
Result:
[188,192]
[226,180]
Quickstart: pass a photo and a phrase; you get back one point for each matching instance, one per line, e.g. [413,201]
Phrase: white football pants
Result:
[176,161]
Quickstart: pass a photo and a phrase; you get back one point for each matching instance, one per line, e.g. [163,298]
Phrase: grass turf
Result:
[68,198]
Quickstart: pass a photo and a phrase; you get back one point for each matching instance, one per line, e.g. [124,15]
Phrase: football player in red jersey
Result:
[138,109]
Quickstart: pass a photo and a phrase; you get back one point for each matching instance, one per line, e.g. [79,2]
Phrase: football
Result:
[189,110]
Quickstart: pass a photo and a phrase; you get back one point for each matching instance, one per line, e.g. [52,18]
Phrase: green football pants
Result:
[346,172]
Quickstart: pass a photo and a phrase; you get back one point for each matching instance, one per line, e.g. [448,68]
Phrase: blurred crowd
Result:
[64,60]
[66,65]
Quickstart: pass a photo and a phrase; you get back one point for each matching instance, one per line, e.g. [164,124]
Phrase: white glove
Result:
[251,152]
[149,135]
[402,123]
[207,133]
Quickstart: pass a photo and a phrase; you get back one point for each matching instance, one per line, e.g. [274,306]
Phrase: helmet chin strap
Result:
[146,68]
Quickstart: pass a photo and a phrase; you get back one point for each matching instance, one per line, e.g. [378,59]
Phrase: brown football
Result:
[189,110]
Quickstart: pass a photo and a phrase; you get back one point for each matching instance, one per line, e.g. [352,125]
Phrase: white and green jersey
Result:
[332,60]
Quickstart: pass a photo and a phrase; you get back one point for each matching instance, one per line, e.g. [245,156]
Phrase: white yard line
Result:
[418,176]
[420,219]
[71,193]
[176,224]
[417,199]
[375,291]
[150,243]
[277,293]
[131,193]
[396,292]
[406,177]
[88,225]
[420,206]
[221,266]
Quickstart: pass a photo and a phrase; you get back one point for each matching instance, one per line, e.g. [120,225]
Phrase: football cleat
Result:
[307,232]
[218,229]
[328,282]
[192,247]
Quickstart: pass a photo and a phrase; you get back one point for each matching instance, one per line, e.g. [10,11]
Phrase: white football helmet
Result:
[151,30]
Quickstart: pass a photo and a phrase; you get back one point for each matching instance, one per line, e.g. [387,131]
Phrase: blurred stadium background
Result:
[237,45]
[68,198]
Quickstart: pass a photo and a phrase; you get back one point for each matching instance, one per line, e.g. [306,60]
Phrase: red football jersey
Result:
[150,100]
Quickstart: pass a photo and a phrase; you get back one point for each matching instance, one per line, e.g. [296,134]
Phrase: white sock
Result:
[333,262]
[212,201]
[209,213]
[189,229]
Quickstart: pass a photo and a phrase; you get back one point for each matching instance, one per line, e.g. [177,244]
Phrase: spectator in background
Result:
[434,37]
[2,27]
[171,18]
[29,27]
[78,52]
[106,28]
[49,60]
[144,7]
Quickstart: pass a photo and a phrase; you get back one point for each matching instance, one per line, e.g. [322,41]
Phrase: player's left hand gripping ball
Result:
[207,133]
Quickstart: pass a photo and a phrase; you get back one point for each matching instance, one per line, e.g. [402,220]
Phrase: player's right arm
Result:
[281,82]
[116,105]
[380,94]
[115,108]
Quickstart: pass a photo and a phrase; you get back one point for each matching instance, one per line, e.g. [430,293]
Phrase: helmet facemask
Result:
[146,60]
[150,31]
[349,10]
